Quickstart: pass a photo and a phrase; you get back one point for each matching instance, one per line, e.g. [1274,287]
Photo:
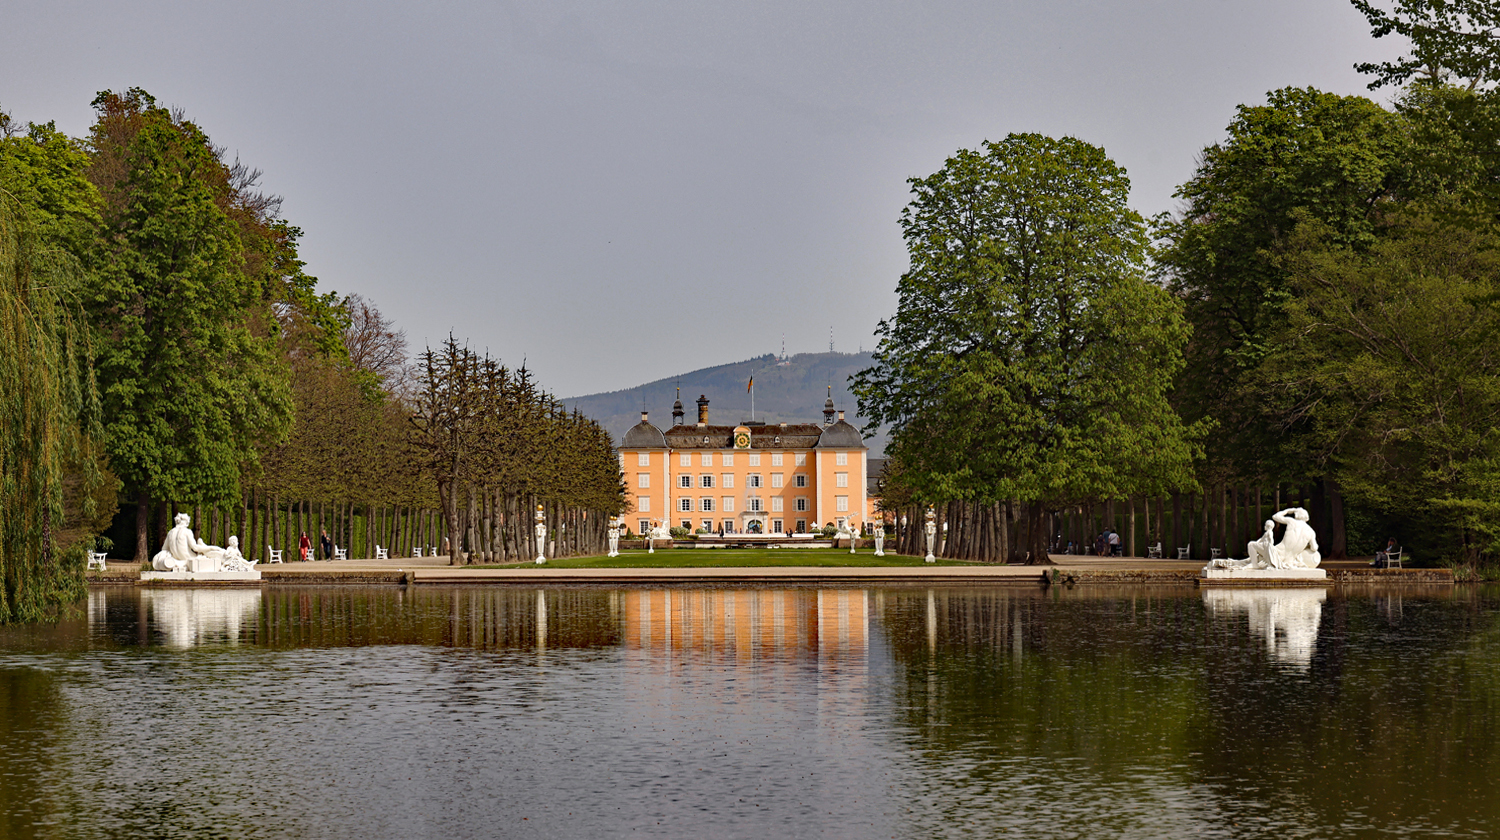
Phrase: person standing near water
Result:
[304,546]
[325,542]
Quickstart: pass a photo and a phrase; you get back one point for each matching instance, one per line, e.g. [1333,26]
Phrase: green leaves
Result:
[1029,357]
[1451,39]
[1388,366]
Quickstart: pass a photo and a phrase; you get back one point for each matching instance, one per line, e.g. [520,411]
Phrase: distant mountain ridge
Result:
[785,392]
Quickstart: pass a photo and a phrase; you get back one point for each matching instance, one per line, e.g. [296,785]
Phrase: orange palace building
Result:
[749,478]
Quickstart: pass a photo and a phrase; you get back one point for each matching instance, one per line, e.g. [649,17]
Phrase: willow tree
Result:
[1029,358]
[48,404]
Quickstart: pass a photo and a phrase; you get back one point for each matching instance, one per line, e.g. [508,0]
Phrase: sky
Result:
[617,192]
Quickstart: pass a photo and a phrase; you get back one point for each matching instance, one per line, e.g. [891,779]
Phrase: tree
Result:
[1388,364]
[193,390]
[1449,38]
[1029,357]
[48,400]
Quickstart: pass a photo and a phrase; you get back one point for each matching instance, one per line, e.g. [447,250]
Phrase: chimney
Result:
[841,416]
[702,410]
[643,416]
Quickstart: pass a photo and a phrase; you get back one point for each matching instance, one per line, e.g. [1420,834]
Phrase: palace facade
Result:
[747,478]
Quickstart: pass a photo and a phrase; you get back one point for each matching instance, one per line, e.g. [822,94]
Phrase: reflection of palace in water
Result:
[1287,619]
[748,622]
[186,617]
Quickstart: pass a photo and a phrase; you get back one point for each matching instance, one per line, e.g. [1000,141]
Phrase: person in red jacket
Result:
[305,545]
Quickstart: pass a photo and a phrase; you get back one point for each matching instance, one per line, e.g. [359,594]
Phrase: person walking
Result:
[325,542]
[304,546]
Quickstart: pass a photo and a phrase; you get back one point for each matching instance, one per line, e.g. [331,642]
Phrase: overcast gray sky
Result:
[618,191]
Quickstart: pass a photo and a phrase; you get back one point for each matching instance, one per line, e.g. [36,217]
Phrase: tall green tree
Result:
[193,389]
[1388,364]
[1029,358]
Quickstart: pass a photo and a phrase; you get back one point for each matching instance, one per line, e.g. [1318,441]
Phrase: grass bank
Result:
[705,558]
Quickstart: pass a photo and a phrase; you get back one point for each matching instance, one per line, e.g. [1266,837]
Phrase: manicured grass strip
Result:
[704,558]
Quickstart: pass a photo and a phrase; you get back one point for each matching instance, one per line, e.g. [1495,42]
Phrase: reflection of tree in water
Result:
[1114,698]
[33,718]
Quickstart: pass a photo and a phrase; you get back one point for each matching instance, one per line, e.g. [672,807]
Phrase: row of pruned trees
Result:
[497,447]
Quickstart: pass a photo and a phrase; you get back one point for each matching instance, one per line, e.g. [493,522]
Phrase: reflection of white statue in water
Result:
[182,551]
[189,617]
[1298,548]
[1287,619]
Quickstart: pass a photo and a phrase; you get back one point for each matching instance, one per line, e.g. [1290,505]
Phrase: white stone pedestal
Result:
[1285,577]
[201,576]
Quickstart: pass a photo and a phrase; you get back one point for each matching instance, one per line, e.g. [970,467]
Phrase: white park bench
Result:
[1153,551]
[1182,553]
[1215,554]
[381,554]
[416,552]
[274,555]
[431,551]
[96,560]
[340,553]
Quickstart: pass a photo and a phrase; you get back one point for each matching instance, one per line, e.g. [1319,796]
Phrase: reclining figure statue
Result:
[182,552]
[1298,548]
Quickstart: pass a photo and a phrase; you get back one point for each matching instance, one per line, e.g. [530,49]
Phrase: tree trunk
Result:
[1338,540]
[142,527]
[1036,527]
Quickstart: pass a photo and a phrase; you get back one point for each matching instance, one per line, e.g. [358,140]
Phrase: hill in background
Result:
[785,392]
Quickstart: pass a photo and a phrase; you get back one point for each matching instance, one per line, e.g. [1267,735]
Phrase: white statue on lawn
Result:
[1298,548]
[614,536]
[880,538]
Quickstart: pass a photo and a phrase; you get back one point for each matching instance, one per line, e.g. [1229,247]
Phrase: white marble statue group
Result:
[1298,548]
[182,551]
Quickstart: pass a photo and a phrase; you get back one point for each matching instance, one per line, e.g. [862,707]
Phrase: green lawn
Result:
[699,558]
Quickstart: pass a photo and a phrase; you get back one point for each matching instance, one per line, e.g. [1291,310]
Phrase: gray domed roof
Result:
[643,435]
[842,435]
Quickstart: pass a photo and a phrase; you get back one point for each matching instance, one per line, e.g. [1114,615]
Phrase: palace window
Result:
[708,524]
[643,459]
[776,479]
[775,526]
[841,503]
[643,504]
[726,480]
[643,479]
[687,524]
[685,505]
[776,503]
[727,504]
[706,504]
[840,479]
[705,481]
[684,481]
[643,526]
[801,459]
[752,480]
[685,459]
[776,459]
[802,526]
[754,459]
[801,503]
[728,459]
[841,459]
[755,505]
[799,480]
[708,459]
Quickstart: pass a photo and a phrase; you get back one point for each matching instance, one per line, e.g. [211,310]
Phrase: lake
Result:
[491,711]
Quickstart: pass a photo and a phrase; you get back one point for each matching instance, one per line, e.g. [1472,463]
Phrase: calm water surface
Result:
[482,712]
